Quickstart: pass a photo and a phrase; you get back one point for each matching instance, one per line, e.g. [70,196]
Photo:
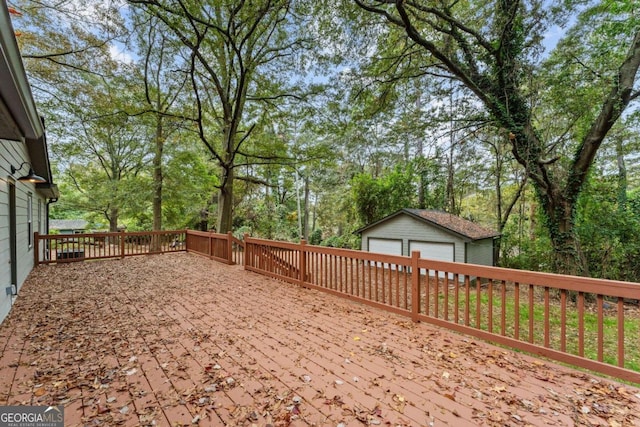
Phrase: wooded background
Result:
[305,119]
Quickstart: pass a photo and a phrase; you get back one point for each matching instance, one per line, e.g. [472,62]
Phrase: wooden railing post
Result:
[122,236]
[210,245]
[415,285]
[247,251]
[36,249]
[229,247]
[303,262]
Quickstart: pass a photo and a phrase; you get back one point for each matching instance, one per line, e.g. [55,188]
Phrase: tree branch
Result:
[620,94]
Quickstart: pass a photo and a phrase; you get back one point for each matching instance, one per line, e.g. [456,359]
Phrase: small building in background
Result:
[68,226]
[435,234]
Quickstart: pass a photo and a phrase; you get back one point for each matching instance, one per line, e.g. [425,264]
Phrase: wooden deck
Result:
[178,339]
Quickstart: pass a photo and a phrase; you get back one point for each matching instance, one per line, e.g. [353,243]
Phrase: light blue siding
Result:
[14,153]
[480,252]
[410,229]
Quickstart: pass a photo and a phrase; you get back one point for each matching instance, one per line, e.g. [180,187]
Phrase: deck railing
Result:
[589,323]
[221,247]
[581,321]
[54,248]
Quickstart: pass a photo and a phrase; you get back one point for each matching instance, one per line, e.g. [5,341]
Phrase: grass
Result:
[537,314]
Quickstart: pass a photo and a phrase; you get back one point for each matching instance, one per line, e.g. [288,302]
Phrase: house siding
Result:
[14,153]
[22,139]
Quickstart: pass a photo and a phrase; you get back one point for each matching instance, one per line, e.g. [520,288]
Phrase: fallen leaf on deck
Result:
[399,403]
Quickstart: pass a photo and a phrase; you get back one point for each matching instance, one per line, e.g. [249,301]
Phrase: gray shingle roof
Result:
[67,224]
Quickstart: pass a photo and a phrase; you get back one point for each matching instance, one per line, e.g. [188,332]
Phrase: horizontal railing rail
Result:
[590,323]
[55,248]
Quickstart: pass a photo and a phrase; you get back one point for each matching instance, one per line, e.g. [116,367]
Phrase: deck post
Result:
[36,249]
[229,248]
[210,245]
[247,251]
[122,244]
[415,286]
[303,262]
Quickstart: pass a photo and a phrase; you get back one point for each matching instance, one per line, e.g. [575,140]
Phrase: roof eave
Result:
[49,190]
[15,92]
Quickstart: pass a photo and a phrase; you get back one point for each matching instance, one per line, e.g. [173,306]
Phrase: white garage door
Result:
[437,251]
[385,246]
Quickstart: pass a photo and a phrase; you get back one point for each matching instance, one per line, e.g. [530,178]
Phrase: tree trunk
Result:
[622,175]
[315,216]
[498,188]
[450,190]
[305,224]
[157,185]
[421,180]
[113,220]
[558,204]
[157,176]
[203,225]
[560,218]
[225,202]
[421,184]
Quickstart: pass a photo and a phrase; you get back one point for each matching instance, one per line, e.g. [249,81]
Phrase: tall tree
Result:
[491,48]
[104,151]
[238,52]
[163,86]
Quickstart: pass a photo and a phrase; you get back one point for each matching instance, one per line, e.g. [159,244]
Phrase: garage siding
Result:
[480,252]
[410,229]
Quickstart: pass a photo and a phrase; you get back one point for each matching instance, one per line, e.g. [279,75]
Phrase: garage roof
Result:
[443,220]
[68,224]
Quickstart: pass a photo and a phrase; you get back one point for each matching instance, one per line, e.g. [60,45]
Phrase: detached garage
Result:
[436,234]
